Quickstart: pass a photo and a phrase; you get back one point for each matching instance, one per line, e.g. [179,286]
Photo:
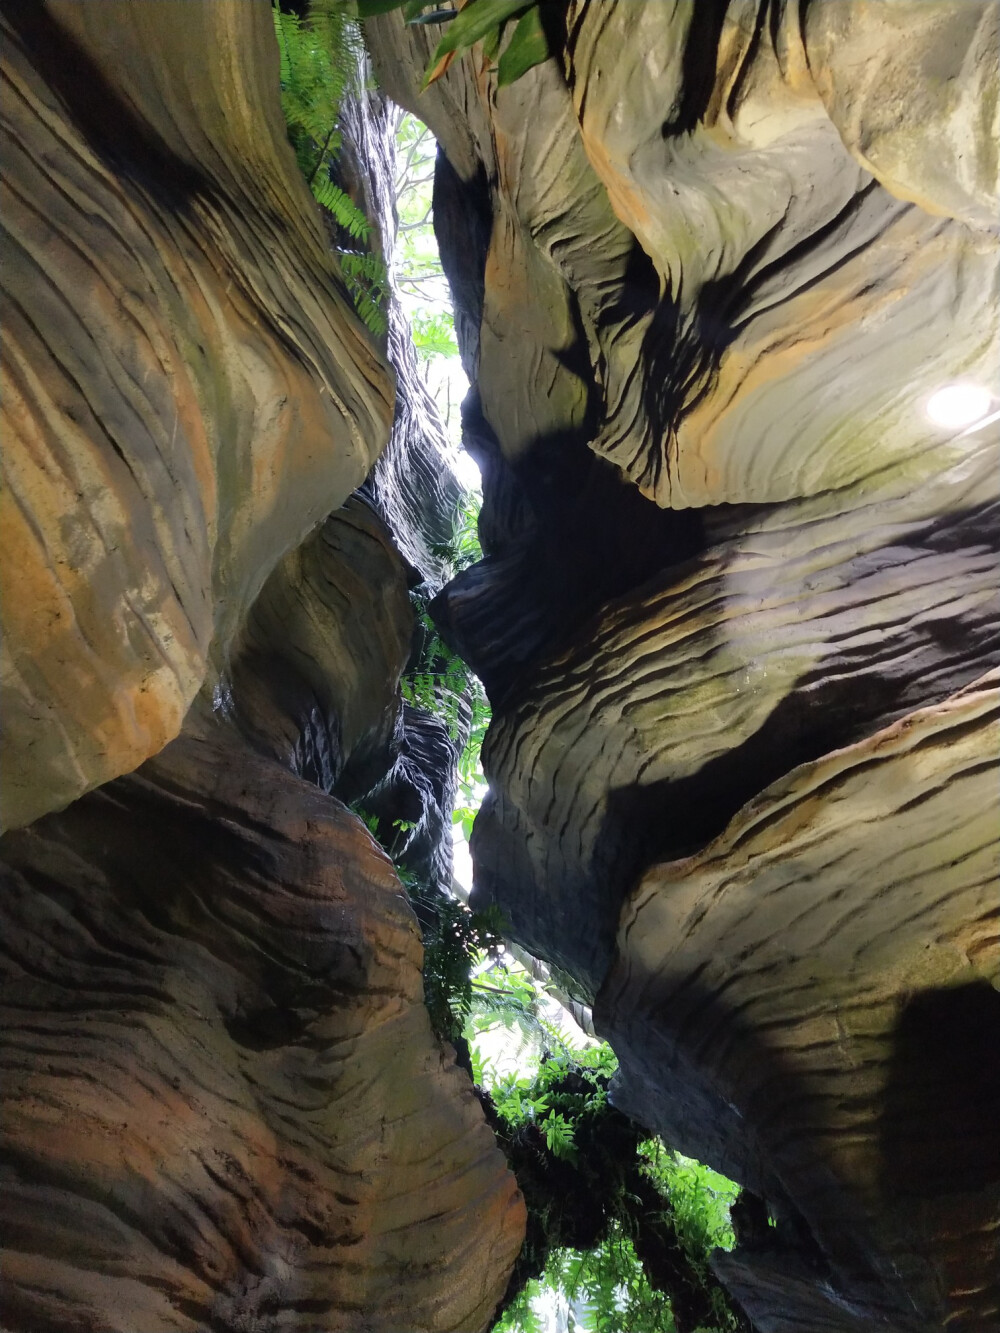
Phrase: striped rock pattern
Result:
[187,388]
[712,262]
[820,981]
[223,1104]
[314,680]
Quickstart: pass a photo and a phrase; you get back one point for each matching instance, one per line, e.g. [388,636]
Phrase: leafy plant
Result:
[320,58]
[607,1286]
[442,683]
[455,941]
[462,548]
[604,1228]
[366,280]
[701,1198]
[486,21]
[434,335]
[505,996]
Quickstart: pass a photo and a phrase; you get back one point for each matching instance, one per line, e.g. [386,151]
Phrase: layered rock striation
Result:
[224,1106]
[739,608]
[737,617]
[189,391]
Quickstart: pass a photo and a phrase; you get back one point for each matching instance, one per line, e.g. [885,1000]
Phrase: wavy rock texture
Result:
[818,981]
[712,261]
[315,677]
[224,1106]
[187,389]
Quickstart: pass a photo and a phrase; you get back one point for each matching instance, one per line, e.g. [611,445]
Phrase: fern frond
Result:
[368,268]
[321,60]
[280,20]
[347,213]
[371,315]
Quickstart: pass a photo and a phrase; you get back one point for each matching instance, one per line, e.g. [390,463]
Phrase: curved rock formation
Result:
[741,596]
[187,388]
[738,619]
[224,1106]
[818,982]
[315,672]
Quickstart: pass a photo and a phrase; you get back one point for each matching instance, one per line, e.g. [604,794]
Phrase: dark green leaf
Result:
[474,22]
[491,43]
[527,48]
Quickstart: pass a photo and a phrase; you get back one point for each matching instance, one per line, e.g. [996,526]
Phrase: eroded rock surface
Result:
[314,679]
[713,260]
[188,390]
[224,1107]
[818,982]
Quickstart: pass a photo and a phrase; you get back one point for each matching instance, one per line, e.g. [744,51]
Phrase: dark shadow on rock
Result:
[829,708]
[578,535]
[716,1087]
[940,1129]
[463,225]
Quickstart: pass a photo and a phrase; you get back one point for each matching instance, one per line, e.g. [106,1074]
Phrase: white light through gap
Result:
[958,405]
[467,471]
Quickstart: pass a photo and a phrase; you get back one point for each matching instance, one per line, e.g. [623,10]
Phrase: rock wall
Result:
[188,391]
[224,1107]
[223,1104]
[737,617]
[739,608]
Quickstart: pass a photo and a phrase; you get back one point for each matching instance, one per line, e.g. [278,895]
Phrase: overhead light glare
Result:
[958,405]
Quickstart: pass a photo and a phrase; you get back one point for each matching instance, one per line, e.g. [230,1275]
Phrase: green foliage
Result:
[619,1226]
[608,1285]
[701,1199]
[366,280]
[434,335]
[557,1104]
[462,548]
[456,941]
[528,47]
[347,213]
[320,59]
[442,683]
[485,21]
[505,996]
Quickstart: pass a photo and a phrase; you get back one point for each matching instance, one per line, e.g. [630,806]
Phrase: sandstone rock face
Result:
[187,389]
[315,675]
[818,980]
[224,1106]
[740,599]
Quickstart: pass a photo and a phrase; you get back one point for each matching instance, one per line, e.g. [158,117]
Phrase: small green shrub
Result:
[617,1224]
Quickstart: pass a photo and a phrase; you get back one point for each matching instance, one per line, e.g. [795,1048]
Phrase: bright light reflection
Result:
[958,405]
